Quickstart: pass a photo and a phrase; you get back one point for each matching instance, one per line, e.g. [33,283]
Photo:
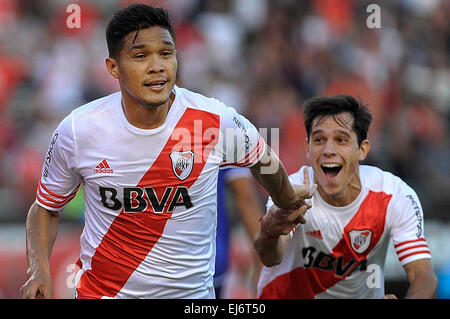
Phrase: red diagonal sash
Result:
[131,236]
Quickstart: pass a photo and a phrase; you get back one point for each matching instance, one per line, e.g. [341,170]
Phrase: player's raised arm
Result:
[41,230]
[274,235]
[243,146]
[271,174]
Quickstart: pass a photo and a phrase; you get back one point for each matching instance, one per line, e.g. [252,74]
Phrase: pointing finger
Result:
[306,176]
[306,181]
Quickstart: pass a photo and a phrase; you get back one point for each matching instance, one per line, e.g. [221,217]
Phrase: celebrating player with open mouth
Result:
[355,212]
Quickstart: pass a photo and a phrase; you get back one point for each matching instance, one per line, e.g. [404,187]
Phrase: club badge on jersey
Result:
[182,163]
[360,240]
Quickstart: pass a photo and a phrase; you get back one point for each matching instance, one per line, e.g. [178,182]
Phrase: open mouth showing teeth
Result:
[331,170]
[153,84]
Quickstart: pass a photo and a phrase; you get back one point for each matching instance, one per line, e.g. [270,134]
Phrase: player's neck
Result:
[145,117]
[344,198]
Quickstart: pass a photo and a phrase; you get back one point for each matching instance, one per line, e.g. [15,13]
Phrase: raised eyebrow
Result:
[169,43]
[343,133]
[143,46]
[316,132]
[336,131]
[136,47]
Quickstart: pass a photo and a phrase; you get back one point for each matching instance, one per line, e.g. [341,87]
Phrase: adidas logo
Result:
[315,233]
[103,167]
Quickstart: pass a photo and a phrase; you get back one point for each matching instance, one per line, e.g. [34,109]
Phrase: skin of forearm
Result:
[277,184]
[424,286]
[270,251]
[251,221]
[41,232]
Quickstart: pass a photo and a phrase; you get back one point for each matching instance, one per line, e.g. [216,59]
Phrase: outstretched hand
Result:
[279,221]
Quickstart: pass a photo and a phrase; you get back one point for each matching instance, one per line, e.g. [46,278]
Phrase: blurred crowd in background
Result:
[263,57]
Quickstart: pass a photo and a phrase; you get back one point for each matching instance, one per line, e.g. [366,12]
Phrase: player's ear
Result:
[306,146]
[364,148]
[113,67]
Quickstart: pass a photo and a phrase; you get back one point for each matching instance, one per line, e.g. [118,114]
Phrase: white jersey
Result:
[333,254]
[150,195]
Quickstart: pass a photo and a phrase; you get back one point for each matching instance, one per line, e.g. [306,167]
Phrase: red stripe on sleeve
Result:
[56,202]
[250,158]
[410,247]
[253,151]
[415,253]
[54,205]
[53,193]
[409,241]
[46,200]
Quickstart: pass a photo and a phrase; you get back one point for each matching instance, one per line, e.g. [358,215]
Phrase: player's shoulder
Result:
[100,105]
[200,101]
[378,180]
[85,115]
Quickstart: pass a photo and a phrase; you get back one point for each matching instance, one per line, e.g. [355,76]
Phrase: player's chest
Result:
[326,244]
[130,160]
[145,173]
[342,237]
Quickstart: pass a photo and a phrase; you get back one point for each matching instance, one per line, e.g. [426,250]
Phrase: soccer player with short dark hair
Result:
[356,210]
[148,157]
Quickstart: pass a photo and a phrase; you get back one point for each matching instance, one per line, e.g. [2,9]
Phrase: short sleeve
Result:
[242,144]
[407,226]
[59,183]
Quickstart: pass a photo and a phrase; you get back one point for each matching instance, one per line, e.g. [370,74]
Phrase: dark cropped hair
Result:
[135,17]
[323,106]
